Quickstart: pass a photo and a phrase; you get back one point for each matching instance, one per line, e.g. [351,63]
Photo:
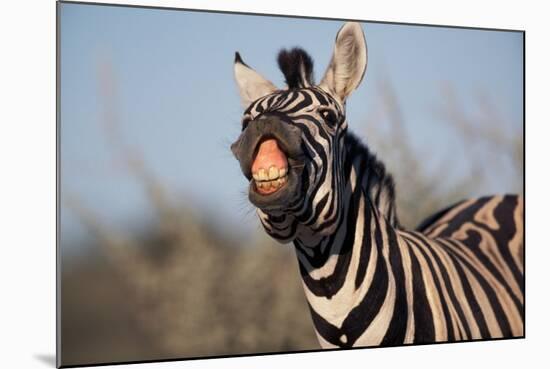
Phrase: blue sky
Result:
[177,103]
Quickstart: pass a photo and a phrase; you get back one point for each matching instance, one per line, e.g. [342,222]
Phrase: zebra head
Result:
[291,144]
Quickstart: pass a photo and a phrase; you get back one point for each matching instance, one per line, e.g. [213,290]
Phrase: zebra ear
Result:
[251,84]
[348,63]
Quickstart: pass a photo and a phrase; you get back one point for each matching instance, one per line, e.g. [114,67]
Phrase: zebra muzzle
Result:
[270,156]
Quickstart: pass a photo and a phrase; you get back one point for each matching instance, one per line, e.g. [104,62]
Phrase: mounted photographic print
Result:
[239,184]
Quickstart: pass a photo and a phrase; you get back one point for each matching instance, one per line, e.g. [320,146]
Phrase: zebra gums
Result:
[368,281]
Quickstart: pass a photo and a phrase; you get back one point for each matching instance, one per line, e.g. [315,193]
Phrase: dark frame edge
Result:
[524,193]
[58,340]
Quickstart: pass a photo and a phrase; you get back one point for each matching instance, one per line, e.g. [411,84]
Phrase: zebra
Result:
[369,281]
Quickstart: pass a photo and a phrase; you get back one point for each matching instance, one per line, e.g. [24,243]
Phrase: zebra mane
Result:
[297,67]
[376,181]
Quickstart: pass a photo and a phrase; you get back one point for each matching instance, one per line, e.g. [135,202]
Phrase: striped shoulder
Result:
[504,212]
[434,218]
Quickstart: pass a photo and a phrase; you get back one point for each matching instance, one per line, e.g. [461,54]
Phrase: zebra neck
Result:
[364,179]
[356,284]
[373,178]
[347,277]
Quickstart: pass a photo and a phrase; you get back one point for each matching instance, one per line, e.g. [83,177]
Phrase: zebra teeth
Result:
[275,183]
[275,179]
[262,175]
[273,173]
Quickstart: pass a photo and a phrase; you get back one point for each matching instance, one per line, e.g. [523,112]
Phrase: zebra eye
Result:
[329,116]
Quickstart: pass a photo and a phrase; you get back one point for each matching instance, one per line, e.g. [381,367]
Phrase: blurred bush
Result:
[180,289]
